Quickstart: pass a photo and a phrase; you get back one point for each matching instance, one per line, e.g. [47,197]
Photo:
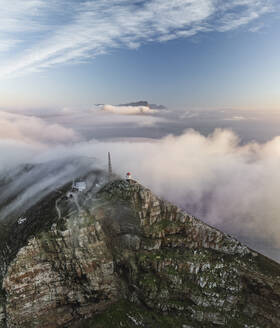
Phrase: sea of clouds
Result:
[229,183]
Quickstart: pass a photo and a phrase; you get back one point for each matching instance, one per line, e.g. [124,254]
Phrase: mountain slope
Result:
[129,259]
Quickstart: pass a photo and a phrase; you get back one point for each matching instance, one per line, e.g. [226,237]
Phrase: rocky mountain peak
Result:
[122,257]
[153,212]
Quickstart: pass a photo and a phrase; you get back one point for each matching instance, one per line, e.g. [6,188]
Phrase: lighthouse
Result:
[128,176]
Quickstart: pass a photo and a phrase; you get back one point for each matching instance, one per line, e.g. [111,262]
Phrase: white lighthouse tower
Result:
[128,176]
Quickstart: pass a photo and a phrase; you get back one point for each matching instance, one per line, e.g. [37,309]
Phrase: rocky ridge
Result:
[125,258]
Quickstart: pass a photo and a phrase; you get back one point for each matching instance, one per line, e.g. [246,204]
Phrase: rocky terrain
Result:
[118,256]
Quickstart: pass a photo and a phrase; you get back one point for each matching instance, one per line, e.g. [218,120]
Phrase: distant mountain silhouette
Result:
[144,103]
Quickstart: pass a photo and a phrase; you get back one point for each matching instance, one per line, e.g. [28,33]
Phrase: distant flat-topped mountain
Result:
[145,104]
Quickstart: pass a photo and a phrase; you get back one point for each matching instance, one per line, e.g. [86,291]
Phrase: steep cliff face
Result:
[125,258]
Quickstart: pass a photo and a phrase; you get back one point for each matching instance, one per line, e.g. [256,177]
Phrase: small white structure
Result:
[21,220]
[79,186]
[128,176]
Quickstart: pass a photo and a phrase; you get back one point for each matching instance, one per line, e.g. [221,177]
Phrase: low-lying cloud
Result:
[129,110]
[31,129]
[228,183]
[232,186]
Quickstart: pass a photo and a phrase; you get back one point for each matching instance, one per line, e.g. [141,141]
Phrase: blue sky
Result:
[187,54]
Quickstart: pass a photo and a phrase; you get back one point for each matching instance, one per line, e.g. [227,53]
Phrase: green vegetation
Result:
[124,314]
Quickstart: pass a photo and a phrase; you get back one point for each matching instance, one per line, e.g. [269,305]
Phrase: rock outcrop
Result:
[122,257]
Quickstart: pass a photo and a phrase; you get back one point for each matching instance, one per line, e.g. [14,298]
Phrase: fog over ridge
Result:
[228,183]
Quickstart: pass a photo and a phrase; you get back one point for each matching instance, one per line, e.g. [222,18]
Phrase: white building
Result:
[79,186]
[21,220]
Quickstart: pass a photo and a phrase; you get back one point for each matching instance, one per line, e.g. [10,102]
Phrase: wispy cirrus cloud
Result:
[6,45]
[241,12]
[26,22]
[58,32]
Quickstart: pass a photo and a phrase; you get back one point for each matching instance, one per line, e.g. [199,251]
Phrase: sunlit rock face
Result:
[60,276]
[122,257]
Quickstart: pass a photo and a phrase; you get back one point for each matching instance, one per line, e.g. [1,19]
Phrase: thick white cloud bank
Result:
[229,185]
[129,110]
[232,186]
[33,130]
